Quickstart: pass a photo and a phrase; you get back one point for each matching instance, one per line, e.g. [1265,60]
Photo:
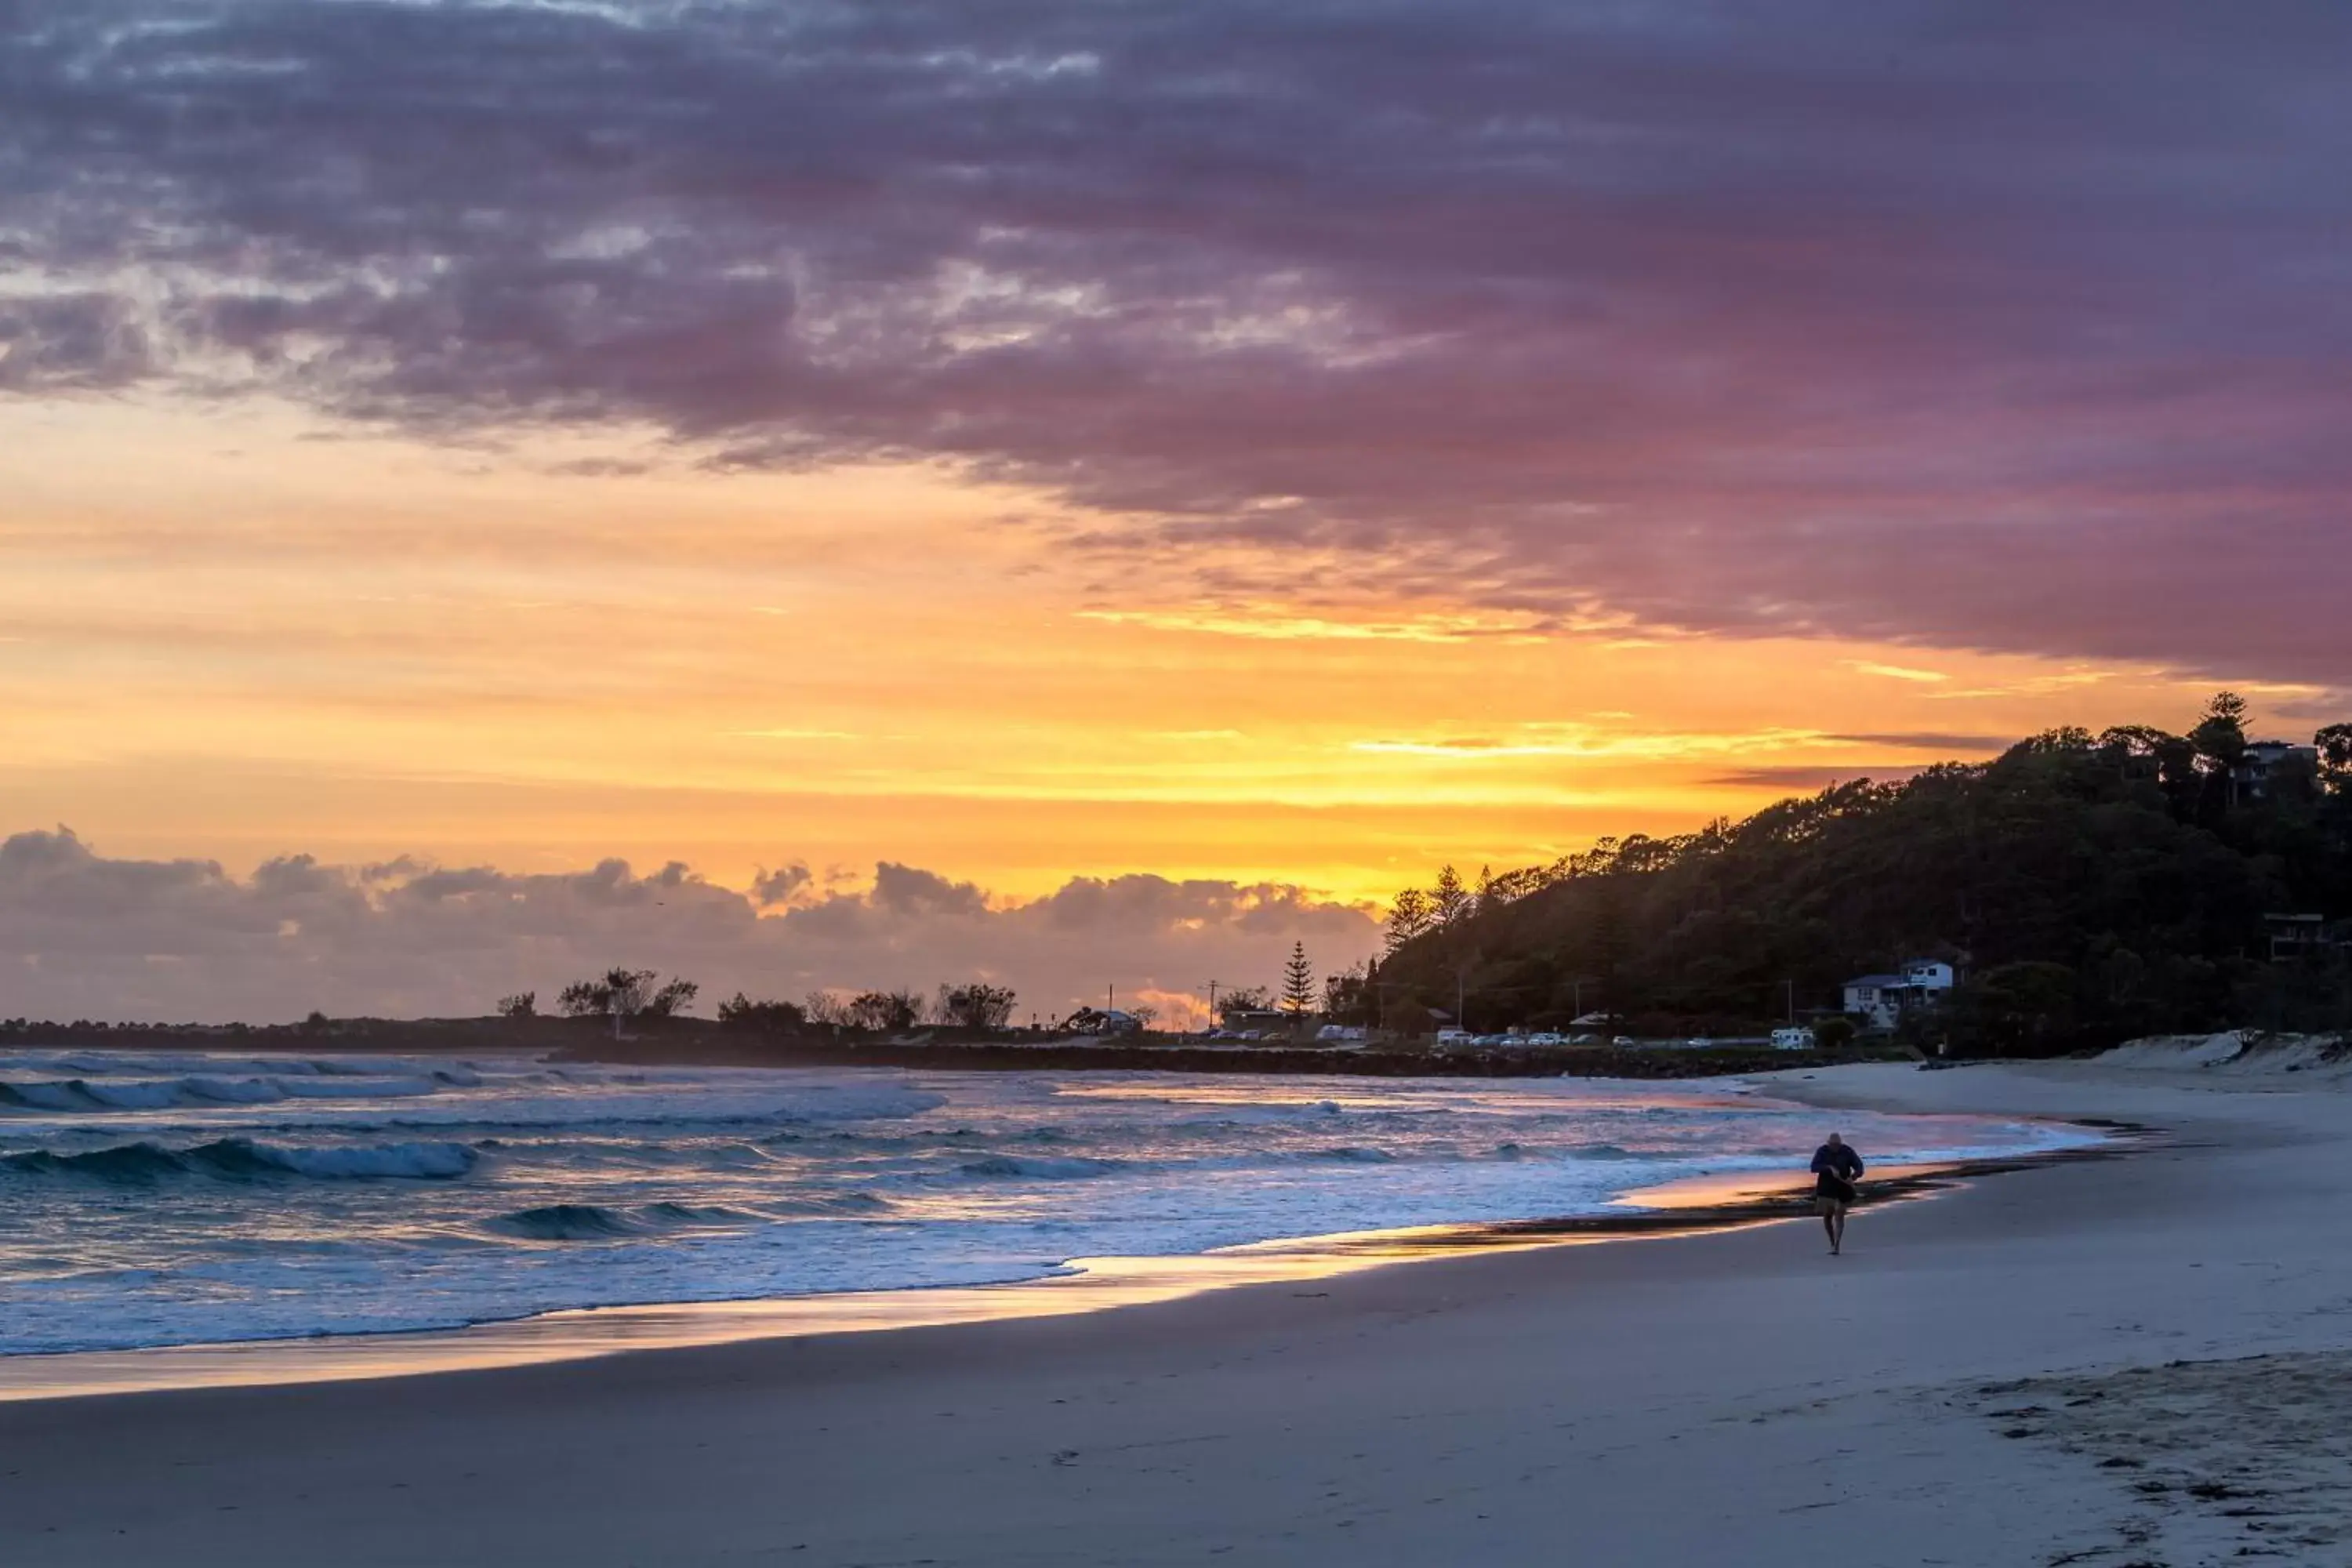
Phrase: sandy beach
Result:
[2046,1366]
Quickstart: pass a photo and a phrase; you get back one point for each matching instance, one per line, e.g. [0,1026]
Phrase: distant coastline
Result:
[692,1042]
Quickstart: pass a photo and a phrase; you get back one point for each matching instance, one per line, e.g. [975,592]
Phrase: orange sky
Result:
[242,631]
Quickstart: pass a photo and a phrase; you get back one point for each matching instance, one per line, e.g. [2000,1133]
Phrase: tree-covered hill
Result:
[2087,888]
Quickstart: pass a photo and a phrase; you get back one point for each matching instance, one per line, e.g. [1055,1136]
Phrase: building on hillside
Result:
[2294,938]
[2265,760]
[1881,1000]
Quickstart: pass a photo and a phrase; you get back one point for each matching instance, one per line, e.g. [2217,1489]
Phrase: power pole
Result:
[1792,1001]
[1213,1004]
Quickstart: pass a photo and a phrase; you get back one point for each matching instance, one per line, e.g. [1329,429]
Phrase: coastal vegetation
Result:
[622,996]
[2081,890]
[2086,889]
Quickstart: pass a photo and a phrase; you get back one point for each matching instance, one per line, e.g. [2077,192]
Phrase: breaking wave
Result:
[162,1198]
[566,1221]
[303,1080]
[244,1158]
[1050,1170]
[595,1222]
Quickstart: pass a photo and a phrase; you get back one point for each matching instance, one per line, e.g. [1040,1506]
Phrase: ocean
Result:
[189,1199]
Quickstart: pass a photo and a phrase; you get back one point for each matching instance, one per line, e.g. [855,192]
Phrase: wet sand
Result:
[1720,1397]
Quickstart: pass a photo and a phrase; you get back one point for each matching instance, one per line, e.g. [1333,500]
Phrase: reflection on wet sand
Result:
[1678,1208]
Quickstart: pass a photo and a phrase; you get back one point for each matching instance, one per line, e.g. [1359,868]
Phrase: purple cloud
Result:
[83,934]
[2009,327]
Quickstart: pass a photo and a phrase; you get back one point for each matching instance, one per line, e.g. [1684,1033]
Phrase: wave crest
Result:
[1051,1169]
[297,1080]
[244,1158]
[566,1221]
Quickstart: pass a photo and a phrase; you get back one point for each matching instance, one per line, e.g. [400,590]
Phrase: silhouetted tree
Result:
[1298,982]
[740,1012]
[2118,859]
[521,1004]
[2022,1008]
[2335,745]
[2220,738]
[891,1012]
[1348,996]
[974,1006]
[622,994]
[1409,917]
[1449,902]
[1240,999]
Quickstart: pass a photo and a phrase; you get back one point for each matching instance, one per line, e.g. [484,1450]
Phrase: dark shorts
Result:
[1826,1206]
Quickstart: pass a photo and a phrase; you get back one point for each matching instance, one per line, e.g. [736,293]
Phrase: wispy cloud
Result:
[1583,741]
[1931,740]
[1275,626]
[1896,671]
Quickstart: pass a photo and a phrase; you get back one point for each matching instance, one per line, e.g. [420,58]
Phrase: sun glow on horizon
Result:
[256,642]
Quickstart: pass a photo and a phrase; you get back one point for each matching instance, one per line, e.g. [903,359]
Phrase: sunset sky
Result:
[1224,460]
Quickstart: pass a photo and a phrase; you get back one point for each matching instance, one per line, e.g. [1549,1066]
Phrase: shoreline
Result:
[1727,1397]
[1685,1206]
[698,1043]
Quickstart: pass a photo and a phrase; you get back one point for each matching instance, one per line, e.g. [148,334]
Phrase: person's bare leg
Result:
[1837,1232]
[1828,1229]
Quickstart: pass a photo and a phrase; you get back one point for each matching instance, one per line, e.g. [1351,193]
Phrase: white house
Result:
[1881,999]
[2262,762]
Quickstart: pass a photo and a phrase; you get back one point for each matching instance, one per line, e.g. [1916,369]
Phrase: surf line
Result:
[1692,1206]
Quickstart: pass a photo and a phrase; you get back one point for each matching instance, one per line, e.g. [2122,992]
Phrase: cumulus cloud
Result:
[770,889]
[83,934]
[2001,326]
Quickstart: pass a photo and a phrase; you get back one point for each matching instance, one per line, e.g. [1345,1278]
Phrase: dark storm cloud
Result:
[2019,327]
[83,933]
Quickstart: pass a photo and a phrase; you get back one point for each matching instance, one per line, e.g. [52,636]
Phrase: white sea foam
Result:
[171,1198]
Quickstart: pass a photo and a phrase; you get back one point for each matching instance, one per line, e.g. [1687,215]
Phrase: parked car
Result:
[1797,1039]
[1624,1040]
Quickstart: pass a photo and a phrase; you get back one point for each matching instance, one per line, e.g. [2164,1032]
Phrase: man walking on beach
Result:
[1836,1168]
